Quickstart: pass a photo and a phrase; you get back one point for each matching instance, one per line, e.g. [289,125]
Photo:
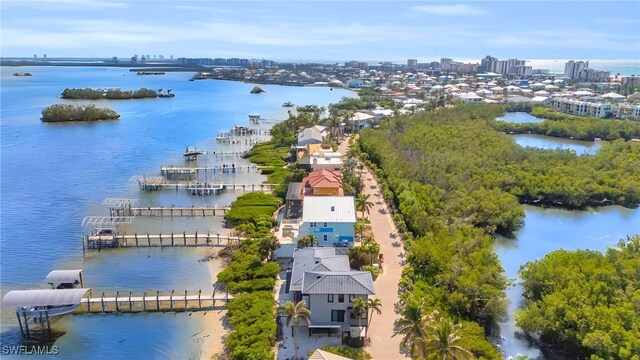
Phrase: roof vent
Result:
[318,277]
[333,208]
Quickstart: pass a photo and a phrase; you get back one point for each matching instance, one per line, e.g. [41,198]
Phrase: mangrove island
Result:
[114,94]
[63,112]
[257,90]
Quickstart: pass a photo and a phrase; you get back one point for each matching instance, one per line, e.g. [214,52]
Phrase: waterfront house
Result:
[323,183]
[323,279]
[361,120]
[312,135]
[330,219]
[326,159]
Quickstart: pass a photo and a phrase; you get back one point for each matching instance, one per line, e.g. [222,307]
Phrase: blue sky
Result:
[323,30]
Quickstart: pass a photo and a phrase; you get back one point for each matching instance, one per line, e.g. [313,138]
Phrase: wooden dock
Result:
[224,169]
[152,301]
[202,188]
[172,211]
[99,242]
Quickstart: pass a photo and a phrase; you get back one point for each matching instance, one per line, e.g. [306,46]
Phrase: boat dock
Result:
[169,211]
[151,301]
[110,241]
[201,188]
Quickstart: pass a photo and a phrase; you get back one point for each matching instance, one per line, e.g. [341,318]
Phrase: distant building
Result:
[592,75]
[584,108]
[511,67]
[134,59]
[572,68]
[629,84]
[412,63]
[628,111]
[45,56]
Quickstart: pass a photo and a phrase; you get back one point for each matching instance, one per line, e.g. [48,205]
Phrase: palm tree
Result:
[444,339]
[411,326]
[373,304]
[359,229]
[295,313]
[359,307]
[307,241]
[363,204]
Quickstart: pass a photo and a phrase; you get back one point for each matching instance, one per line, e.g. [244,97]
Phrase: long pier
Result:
[98,242]
[152,301]
[203,188]
[169,211]
[224,168]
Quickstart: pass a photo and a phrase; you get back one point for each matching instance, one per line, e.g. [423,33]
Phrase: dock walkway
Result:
[98,242]
[170,211]
[153,301]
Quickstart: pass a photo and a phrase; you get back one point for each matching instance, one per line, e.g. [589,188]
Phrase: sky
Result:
[313,30]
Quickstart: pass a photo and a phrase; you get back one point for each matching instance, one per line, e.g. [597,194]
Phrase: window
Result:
[330,298]
[351,297]
[337,315]
[325,237]
[324,225]
[313,225]
[341,298]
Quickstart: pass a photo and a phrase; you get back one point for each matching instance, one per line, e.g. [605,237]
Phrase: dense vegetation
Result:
[251,207]
[572,127]
[251,277]
[62,112]
[111,94]
[585,302]
[456,182]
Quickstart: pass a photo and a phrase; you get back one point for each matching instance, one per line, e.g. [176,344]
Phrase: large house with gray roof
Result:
[324,280]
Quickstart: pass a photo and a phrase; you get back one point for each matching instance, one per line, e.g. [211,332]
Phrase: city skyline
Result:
[323,31]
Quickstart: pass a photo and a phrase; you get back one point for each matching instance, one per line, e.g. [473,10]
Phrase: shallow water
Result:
[555,143]
[546,230]
[519,117]
[53,175]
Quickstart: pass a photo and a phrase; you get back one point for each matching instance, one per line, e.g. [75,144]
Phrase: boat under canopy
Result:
[59,277]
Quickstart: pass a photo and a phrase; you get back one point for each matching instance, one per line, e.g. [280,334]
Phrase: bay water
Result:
[53,175]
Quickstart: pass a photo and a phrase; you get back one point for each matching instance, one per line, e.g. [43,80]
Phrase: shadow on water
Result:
[39,337]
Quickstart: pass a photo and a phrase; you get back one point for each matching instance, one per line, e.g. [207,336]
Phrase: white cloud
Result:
[454,10]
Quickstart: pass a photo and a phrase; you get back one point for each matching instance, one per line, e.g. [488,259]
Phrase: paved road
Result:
[383,345]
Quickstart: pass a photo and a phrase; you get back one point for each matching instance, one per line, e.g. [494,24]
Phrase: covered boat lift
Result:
[65,279]
[42,304]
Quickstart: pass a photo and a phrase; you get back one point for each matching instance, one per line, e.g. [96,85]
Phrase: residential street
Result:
[383,345]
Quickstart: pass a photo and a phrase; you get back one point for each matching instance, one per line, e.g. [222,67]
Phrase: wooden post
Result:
[148,240]
[83,245]
[102,302]
[208,238]
[88,301]
[200,298]
[196,239]
[20,322]
[136,236]
[160,240]
[26,323]
[184,237]
[144,301]
[185,299]
[117,307]
[130,301]
[172,235]
[46,313]
[171,299]
[158,300]
[218,234]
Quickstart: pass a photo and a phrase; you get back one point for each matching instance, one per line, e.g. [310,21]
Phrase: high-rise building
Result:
[35,56]
[412,63]
[629,84]
[572,68]
[488,64]
[45,56]
[134,59]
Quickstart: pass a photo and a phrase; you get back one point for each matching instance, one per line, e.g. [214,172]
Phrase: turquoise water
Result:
[53,175]
[546,230]
[519,117]
[555,143]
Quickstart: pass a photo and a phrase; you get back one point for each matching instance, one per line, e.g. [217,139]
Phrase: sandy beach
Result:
[215,326]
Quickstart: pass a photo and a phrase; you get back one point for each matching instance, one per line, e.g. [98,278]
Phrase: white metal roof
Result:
[63,276]
[338,282]
[22,298]
[336,209]
[325,355]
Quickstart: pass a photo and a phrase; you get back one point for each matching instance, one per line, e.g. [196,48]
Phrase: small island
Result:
[114,94]
[63,112]
[257,90]
[22,74]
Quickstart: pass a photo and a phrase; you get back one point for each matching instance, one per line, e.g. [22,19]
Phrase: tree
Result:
[359,307]
[307,241]
[359,227]
[160,91]
[375,305]
[295,313]
[444,339]
[363,204]
[411,326]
